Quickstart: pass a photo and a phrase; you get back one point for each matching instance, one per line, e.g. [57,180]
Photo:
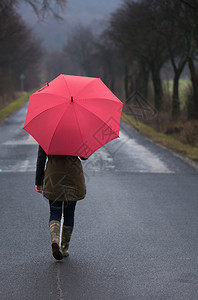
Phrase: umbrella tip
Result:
[72,100]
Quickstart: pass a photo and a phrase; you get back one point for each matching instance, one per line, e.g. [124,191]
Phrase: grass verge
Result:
[10,108]
[163,139]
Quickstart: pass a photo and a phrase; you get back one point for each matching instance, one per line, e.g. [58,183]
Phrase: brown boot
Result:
[55,237]
[66,236]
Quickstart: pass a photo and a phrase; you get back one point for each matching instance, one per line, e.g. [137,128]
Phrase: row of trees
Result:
[89,54]
[140,38]
[20,52]
[151,33]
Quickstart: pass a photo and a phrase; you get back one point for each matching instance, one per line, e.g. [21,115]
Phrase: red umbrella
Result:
[73,115]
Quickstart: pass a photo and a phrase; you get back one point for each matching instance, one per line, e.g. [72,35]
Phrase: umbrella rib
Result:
[85,87]
[101,98]
[56,128]
[58,125]
[43,112]
[80,130]
[97,117]
[67,85]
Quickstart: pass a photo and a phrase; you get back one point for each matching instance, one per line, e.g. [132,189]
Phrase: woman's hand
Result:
[39,188]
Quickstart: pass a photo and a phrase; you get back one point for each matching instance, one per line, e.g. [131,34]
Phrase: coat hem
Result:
[58,200]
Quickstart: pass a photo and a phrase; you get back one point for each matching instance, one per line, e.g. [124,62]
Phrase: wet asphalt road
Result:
[136,232]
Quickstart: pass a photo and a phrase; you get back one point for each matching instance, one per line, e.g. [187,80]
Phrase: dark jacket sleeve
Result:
[40,166]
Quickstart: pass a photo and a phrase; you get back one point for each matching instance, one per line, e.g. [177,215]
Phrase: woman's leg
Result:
[54,225]
[69,209]
[55,210]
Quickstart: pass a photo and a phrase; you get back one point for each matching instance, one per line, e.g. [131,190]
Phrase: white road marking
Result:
[138,158]
[28,141]
[24,166]
[27,165]
[145,159]
[20,166]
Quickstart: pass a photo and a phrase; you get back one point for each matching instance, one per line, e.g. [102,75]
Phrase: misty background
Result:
[53,33]
[145,51]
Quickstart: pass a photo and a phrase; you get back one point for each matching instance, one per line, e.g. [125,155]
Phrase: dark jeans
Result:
[68,209]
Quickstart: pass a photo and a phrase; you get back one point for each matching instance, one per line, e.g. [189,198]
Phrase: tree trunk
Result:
[193,113]
[157,84]
[141,80]
[112,84]
[175,101]
[145,80]
[126,81]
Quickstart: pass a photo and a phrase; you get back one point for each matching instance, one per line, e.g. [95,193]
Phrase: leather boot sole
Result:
[56,252]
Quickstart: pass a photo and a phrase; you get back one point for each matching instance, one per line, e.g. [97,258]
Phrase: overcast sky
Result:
[87,12]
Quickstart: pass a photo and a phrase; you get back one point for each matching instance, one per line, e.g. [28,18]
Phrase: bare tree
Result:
[192,38]
[19,51]
[42,8]
[169,20]
[132,29]
[45,7]
[80,46]
[56,63]
[106,60]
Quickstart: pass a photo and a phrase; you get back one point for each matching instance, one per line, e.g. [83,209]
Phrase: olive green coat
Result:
[64,179]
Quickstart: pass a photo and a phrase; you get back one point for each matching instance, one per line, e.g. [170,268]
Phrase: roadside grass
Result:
[162,138]
[10,108]
[180,127]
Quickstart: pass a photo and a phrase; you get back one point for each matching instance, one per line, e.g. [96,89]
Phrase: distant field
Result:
[184,86]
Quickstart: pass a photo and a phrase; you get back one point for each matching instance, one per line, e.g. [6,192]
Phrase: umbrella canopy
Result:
[73,115]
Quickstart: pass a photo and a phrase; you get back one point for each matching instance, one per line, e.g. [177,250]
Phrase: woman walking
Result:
[62,182]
